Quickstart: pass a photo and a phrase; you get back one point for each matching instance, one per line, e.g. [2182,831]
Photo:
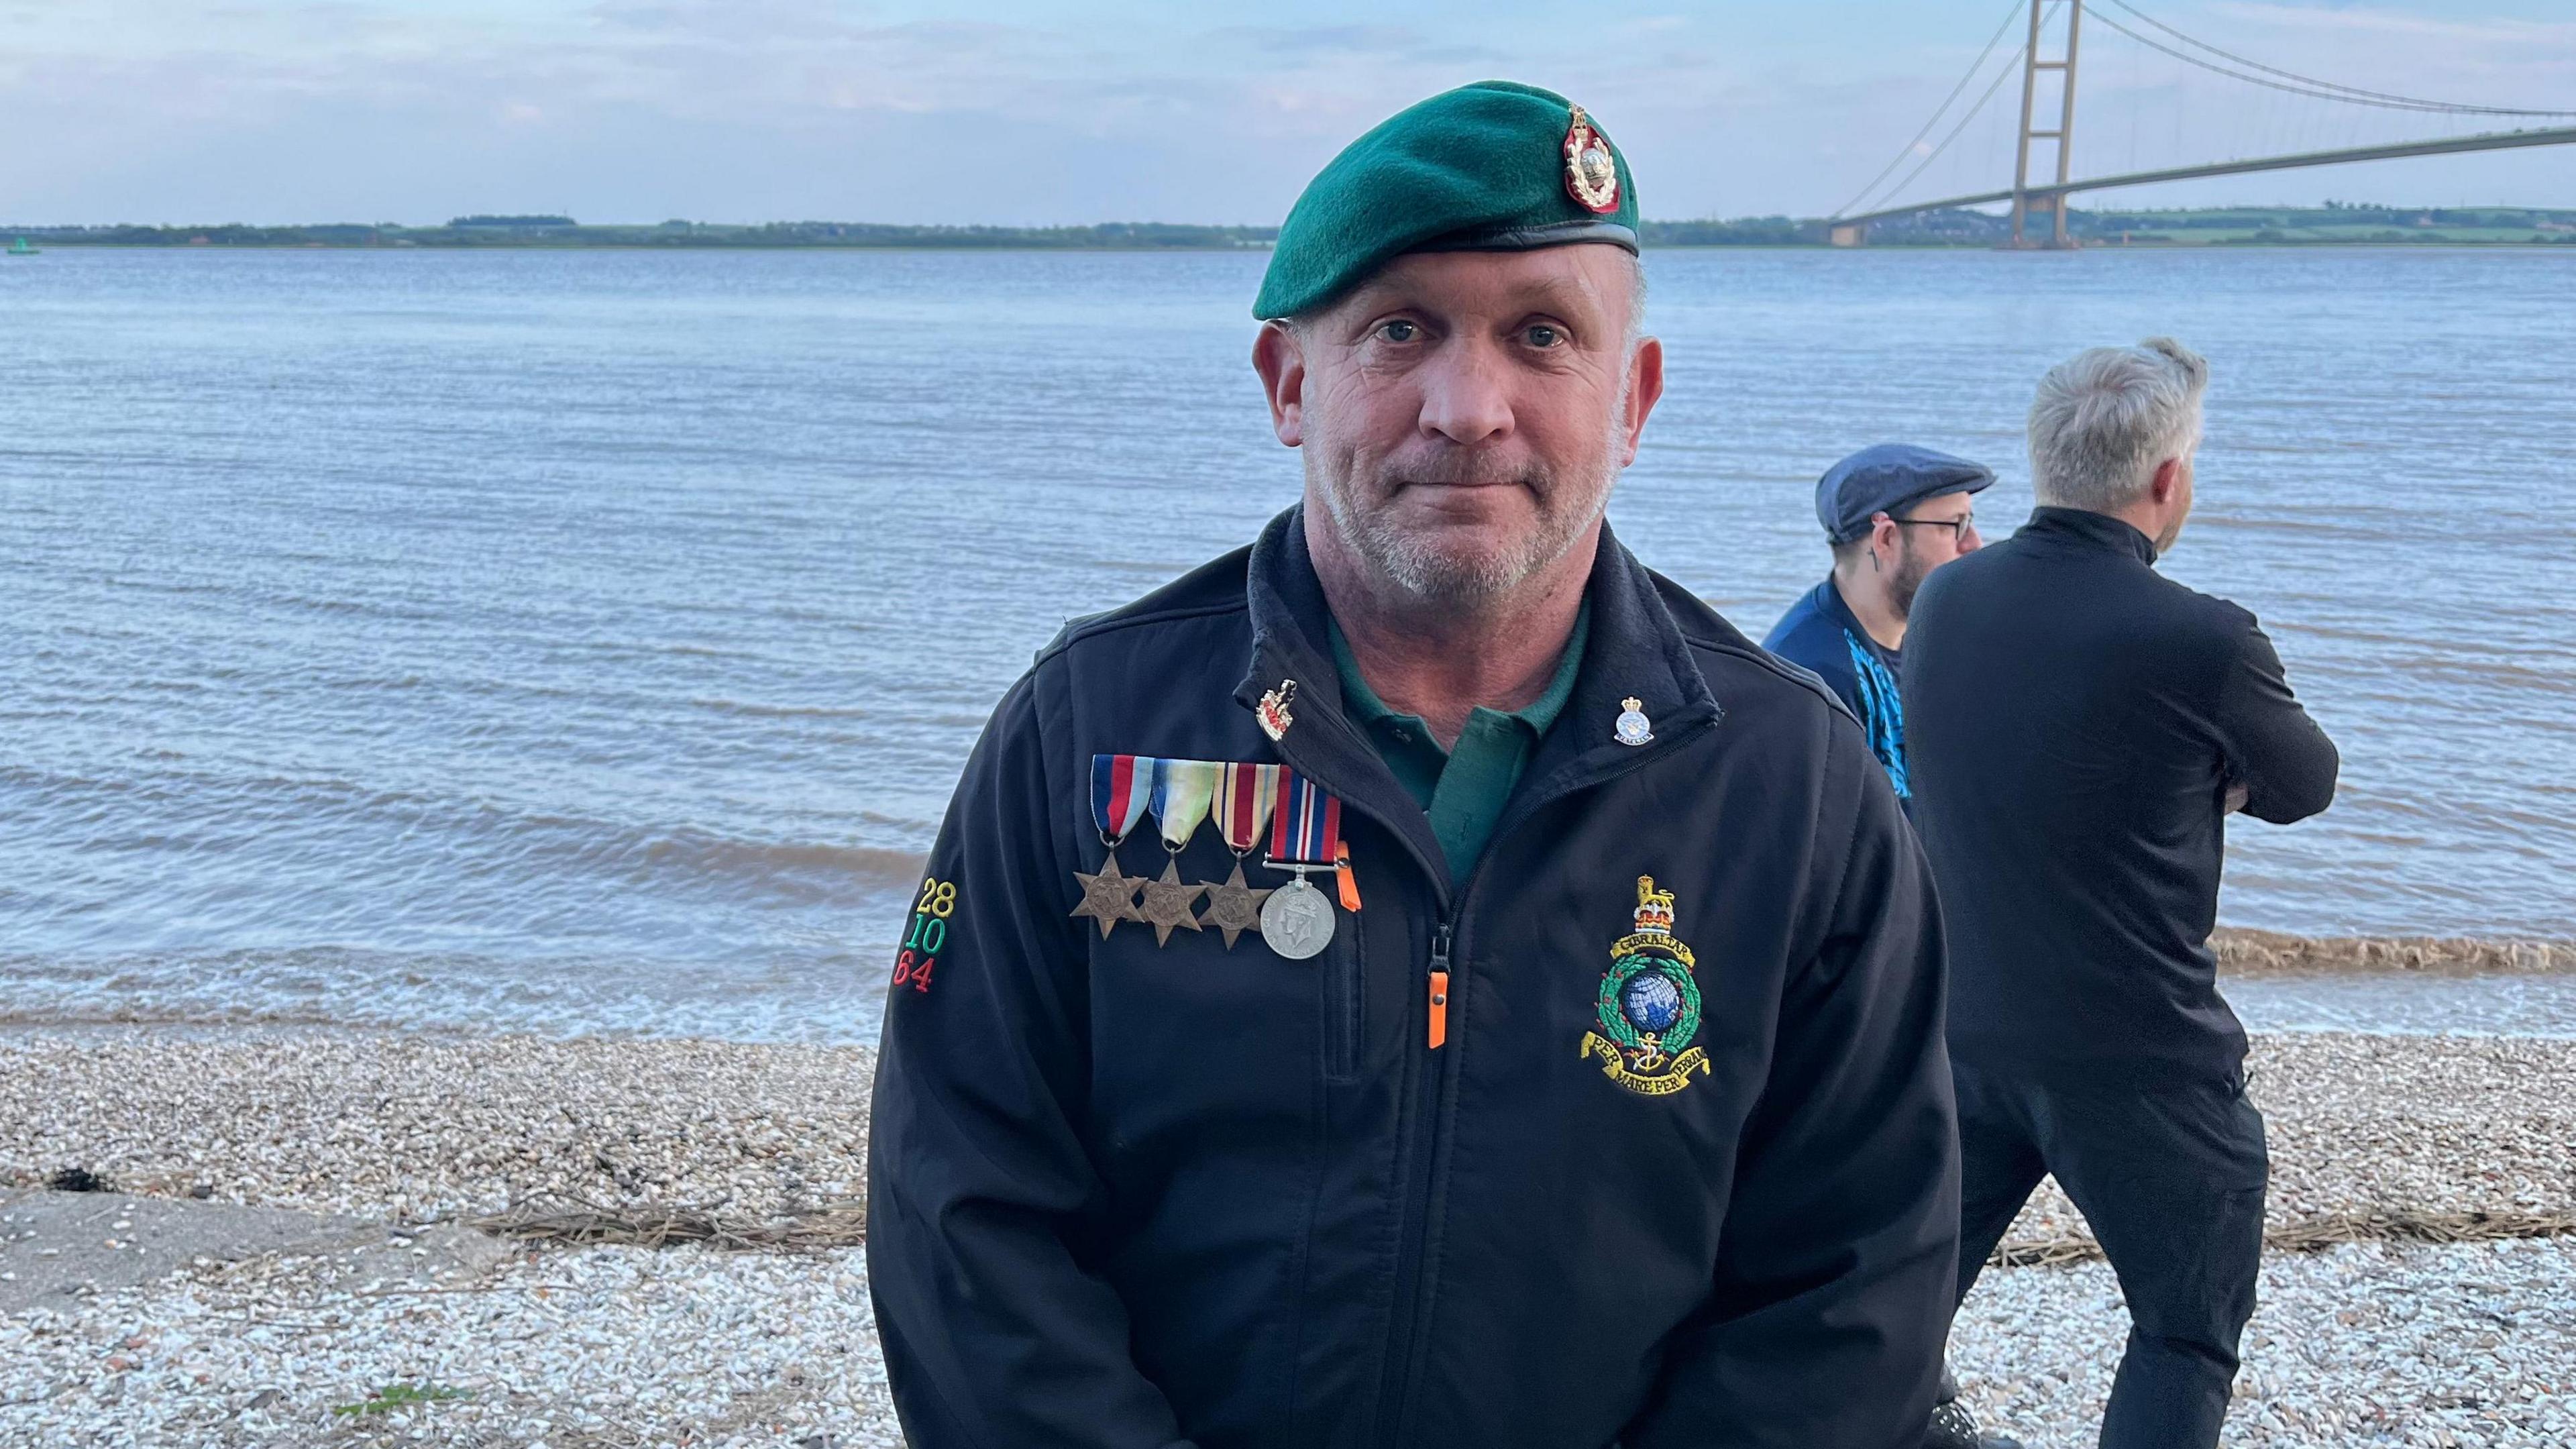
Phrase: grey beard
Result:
[1434,575]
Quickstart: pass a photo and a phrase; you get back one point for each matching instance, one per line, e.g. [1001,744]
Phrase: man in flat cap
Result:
[1892,514]
[1422,979]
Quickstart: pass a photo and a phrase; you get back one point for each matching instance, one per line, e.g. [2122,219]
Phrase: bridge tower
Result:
[2062,137]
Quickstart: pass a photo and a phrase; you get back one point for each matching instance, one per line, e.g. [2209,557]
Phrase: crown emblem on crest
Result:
[1654,908]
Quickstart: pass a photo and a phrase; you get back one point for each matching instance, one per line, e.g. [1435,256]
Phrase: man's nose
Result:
[1970,540]
[1465,397]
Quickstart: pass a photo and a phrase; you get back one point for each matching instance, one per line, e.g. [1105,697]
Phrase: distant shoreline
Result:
[2333,225]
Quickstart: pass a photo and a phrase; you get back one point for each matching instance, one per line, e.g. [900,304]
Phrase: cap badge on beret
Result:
[1591,177]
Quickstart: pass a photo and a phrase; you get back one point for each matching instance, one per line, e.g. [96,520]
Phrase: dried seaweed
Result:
[2379,1225]
[572,1221]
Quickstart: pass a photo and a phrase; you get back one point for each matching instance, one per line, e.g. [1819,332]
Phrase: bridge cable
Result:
[2321,84]
[2305,85]
[1973,111]
[2010,14]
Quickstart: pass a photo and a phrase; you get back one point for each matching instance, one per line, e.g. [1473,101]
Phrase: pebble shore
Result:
[2469,1344]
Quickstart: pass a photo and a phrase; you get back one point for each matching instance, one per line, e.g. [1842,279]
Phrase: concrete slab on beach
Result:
[58,1245]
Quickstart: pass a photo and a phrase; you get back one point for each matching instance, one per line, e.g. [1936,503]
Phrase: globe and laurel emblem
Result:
[1649,1004]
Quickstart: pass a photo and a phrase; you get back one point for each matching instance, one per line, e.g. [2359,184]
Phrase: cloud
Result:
[757,109]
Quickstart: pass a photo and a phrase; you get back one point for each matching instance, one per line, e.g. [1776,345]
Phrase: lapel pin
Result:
[1273,710]
[1634,728]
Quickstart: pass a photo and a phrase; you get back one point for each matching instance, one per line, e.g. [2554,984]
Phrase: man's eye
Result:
[1398,330]
[1543,336]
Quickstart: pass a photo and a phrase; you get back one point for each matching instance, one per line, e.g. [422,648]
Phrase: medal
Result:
[1122,787]
[1297,921]
[1305,834]
[1183,790]
[1245,796]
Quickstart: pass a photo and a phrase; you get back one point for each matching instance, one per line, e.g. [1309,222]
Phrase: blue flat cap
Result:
[1885,478]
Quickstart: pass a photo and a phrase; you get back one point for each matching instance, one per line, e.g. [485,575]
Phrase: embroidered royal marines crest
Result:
[1649,1004]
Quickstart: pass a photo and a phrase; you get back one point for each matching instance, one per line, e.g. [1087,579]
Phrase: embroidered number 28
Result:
[938,898]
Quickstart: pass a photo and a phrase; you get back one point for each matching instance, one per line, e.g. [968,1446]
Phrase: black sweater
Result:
[2075,721]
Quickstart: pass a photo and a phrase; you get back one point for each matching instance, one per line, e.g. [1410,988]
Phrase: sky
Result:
[1033,112]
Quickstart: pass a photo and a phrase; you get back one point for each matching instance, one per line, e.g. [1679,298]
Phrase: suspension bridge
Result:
[2055,34]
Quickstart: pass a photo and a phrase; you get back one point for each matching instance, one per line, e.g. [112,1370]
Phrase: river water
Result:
[583,641]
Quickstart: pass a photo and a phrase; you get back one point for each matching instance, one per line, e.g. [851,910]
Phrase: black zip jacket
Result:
[2074,722]
[1123,1195]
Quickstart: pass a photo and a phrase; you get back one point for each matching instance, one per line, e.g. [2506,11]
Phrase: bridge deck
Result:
[2485,141]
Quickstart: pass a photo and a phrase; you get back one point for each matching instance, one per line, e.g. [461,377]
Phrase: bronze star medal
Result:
[1170,905]
[1234,907]
[1109,897]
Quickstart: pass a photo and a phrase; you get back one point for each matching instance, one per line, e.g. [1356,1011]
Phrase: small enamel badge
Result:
[1273,709]
[1633,727]
[1591,173]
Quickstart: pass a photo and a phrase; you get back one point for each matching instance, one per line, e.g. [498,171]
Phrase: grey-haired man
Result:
[2081,727]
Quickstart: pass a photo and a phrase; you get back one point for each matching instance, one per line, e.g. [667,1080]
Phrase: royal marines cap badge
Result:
[1649,1004]
[1591,173]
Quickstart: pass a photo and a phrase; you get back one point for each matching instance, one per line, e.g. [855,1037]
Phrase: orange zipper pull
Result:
[1342,876]
[1436,1017]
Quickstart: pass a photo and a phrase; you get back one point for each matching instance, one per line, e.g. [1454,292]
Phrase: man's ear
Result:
[1645,389]
[2168,478]
[1281,361]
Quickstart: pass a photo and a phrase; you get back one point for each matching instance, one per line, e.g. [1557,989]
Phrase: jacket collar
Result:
[1634,650]
[2084,526]
[1829,601]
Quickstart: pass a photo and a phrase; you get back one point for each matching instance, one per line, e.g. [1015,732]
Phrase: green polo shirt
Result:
[1463,789]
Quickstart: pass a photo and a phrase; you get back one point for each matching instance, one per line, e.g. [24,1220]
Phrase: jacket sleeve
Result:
[2284,761]
[995,1332]
[1837,1266]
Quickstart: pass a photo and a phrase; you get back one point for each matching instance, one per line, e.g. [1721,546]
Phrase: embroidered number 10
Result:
[929,933]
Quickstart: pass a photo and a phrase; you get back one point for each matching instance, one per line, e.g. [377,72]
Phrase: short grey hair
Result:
[2105,418]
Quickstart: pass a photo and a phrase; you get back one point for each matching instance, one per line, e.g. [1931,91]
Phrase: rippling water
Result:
[583,641]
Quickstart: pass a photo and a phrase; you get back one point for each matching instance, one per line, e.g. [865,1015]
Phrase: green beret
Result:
[1494,166]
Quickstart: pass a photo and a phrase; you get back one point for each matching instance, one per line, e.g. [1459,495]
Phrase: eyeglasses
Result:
[1959,527]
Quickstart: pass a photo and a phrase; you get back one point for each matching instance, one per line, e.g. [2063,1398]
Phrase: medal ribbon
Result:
[1183,791]
[1122,786]
[1245,795]
[1308,827]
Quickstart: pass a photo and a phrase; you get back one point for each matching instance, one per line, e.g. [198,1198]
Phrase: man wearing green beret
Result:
[1423,979]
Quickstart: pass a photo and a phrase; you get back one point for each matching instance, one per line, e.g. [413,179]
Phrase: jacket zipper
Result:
[1425,1096]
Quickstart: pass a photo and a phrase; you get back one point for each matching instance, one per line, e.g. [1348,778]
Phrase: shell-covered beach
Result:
[417,1265]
